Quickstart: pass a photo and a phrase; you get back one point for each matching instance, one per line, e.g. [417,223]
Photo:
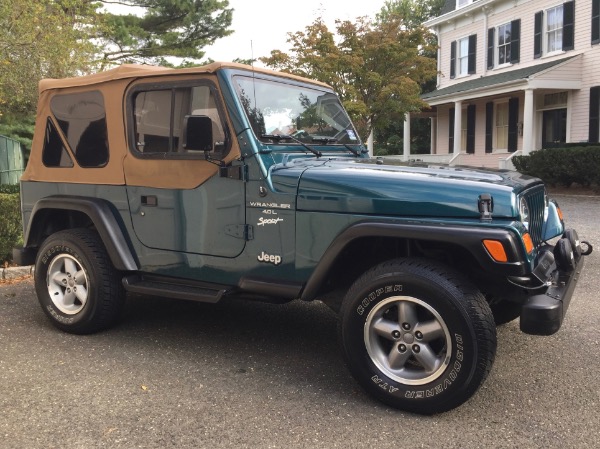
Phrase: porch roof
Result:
[492,84]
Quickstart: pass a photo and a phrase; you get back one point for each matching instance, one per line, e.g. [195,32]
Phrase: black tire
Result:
[441,358]
[71,260]
[505,311]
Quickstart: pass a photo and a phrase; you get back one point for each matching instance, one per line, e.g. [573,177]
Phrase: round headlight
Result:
[524,212]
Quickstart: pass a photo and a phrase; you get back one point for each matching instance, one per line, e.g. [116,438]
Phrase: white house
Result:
[513,76]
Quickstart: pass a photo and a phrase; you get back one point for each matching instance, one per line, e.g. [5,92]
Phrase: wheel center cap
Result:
[71,283]
[409,338]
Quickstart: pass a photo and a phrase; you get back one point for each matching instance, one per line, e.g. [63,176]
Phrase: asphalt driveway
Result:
[241,375]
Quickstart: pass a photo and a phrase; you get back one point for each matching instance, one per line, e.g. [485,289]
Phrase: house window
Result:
[462,3]
[554,29]
[504,44]
[595,21]
[501,125]
[462,56]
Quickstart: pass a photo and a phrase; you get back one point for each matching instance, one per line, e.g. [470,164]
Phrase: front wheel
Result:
[417,336]
[76,283]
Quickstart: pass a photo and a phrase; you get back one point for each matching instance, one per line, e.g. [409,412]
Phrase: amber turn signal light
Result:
[528,242]
[496,250]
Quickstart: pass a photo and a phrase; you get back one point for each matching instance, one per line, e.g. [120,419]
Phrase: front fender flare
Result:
[468,237]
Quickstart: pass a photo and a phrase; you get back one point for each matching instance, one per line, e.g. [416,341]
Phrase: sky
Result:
[266,23]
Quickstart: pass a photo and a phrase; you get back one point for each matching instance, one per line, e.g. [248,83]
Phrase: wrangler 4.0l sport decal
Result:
[270,205]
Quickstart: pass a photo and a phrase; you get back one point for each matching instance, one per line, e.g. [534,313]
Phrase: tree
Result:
[41,39]
[178,28]
[414,14]
[375,67]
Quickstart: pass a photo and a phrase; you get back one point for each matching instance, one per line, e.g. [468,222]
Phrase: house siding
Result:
[586,68]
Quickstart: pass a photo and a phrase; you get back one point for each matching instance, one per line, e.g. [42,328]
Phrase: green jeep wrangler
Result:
[226,181]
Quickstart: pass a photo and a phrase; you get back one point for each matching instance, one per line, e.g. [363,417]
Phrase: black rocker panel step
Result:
[173,288]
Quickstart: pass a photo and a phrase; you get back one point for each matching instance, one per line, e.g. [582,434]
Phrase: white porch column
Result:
[457,127]
[528,122]
[433,143]
[370,143]
[406,137]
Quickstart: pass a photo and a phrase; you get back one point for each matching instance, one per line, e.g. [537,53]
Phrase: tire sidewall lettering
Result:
[461,352]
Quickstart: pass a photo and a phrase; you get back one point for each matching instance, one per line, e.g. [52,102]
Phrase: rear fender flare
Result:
[101,214]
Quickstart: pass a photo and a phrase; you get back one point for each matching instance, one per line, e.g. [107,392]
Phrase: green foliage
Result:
[41,39]
[375,67]
[10,224]
[562,166]
[19,128]
[167,28]
[61,38]
[10,189]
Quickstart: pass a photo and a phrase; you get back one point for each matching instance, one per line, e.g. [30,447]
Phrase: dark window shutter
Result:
[453,59]
[471,129]
[489,126]
[451,130]
[515,41]
[472,53]
[513,120]
[568,28]
[537,35]
[594,130]
[595,21]
[490,50]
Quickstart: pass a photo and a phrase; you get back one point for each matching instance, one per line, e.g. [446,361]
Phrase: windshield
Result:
[308,115]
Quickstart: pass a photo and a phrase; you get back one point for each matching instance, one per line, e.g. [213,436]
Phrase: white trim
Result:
[458,13]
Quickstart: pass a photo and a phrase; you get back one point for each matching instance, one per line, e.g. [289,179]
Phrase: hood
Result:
[368,187]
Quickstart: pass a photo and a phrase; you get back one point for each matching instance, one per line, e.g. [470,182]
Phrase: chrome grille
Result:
[537,204]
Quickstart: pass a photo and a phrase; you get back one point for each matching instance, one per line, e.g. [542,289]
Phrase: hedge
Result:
[11,232]
[562,166]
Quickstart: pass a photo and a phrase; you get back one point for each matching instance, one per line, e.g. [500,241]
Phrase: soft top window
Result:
[159,114]
[82,120]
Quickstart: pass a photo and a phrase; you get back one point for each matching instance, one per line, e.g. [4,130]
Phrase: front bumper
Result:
[543,314]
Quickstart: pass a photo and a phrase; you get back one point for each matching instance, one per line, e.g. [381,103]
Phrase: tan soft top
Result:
[138,71]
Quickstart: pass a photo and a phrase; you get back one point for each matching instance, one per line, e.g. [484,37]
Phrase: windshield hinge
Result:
[244,231]
[234,172]
[485,203]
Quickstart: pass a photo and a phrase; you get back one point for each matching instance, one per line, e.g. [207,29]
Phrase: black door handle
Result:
[149,200]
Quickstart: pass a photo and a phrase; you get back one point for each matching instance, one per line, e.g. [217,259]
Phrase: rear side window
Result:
[54,153]
[158,120]
[82,120]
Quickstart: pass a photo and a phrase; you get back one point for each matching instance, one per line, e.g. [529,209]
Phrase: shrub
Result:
[11,230]
[562,166]
[9,188]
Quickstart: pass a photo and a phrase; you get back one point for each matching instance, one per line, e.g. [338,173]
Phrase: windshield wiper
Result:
[327,140]
[279,137]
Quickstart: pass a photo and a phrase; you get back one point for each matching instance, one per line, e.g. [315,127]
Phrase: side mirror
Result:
[198,134]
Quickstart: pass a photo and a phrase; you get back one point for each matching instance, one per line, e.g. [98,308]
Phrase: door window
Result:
[159,117]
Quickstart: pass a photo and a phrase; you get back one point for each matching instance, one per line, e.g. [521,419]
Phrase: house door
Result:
[554,127]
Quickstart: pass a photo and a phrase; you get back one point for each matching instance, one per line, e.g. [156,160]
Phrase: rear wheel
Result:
[76,283]
[417,335]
